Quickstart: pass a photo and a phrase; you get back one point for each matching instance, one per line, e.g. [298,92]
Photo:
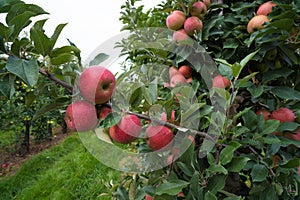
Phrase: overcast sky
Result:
[90,22]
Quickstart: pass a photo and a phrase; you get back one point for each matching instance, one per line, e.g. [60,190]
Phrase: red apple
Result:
[299,169]
[170,159]
[177,79]
[158,136]
[81,116]
[193,25]
[164,117]
[220,82]
[207,3]
[294,136]
[127,130]
[186,71]
[104,111]
[199,9]
[180,35]
[283,115]
[265,8]
[175,20]
[4,165]
[189,80]
[172,71]
[265,113]
[257,23]
[97,84]
[148,197]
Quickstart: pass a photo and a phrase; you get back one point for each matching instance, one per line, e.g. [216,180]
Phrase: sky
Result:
[90,22]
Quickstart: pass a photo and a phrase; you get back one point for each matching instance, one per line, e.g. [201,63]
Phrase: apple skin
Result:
[172,71]
[265,113]
[256,23]
[81,116]
[299,169]
[294,136]
[127,130]
[193,25]
[283,115]
[97,84]
[170,159]
[186,71]
[177,79]
[175,20]
[265,8]
[158,136]
[220,82]
[104,111]
[148,197]
[199,9]
[180,35]
[207,3]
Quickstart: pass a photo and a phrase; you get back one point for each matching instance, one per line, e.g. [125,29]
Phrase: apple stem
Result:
[170,125]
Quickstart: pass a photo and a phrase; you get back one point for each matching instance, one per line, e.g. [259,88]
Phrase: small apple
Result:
[104,111]
[175,20]
[186,71]
[172,71]
[271,54]
[158,136]
[220,82]
[199,9]
[207,3]
[265,113]
[294,136]
[127,130]
[257,23]
[180,36]
[265,8]
[4,165]
[81,116]
[193,25]
[189,80]
[148,197]
[261,67]
[170,159]
[299,169]
[177,79]
[164,117]
[283,115]
[97,84]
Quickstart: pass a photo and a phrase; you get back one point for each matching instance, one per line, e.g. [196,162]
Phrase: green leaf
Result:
[19,22]
[287,126]
[237,68]
[172,187]
[216,183]
[259,173]
[7,87]
[277,73]
[110,120]
[29,99]
[98,59]
[217,169]
[250,119]
[41,42]
[56,34]
[269,126]
[237,164]
[136,97]
[295,162]
[227,153]
[28,71]
[210,196]
[245,79]
[63,58]
[286,93]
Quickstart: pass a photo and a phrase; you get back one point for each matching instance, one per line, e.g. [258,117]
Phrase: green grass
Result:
[7,138]
[66,171]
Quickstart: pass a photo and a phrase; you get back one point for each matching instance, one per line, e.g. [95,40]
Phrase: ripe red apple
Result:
[283,115]
[104,111]
[177,79]
[193,25]
[172,71]
[220,82]
[164,117]
[127,130]
[175,20]
[265,113]
[185,70]
[170,159]
[207,3]
[4,165]
[180,35]
[81,116]
[97,84]
[299,169]
[148,197]
[265,8]
[257,23]
[158,136]
[294,136]
[199,9]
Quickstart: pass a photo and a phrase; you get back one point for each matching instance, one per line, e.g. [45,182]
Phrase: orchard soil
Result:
[11,158]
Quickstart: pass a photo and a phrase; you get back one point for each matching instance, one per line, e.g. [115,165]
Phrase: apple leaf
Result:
[237,164]
[259,173]
[7,86]
[172,187]
[98,59]
[216,183]
[110,120]
[286,93]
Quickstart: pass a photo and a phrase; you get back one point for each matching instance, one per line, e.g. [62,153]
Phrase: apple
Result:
[186,71]
[104,111]
[265,113]
[257,23]
[283,115]
[4,165]
[175,20]
[97,84]
[164,117]
[299,169]
[177,79]
[294,136]
[193,25]
[265,8]
[271,54]
[148,197]
[180,35]
[220,82]
[126,130]
[170,159]
[81,116]
[199,9]
[158,136]
[189,80]
[207,3]
[172,71]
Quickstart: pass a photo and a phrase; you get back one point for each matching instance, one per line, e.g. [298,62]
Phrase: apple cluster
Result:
[258,21]
[187,24]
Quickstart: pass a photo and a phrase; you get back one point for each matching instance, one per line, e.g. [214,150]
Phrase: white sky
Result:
[90,23]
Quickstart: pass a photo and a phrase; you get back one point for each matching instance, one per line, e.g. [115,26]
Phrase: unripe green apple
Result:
[127,130]
[175,20]
[97,84]
[271,54]
[158,137]
[265,8]
[199,9]
[257,23]
[193,25]
[283,115]
[81,116]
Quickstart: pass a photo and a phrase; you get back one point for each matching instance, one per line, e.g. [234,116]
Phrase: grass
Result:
[7,138]
[66,171]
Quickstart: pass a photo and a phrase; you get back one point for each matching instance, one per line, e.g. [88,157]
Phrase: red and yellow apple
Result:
[180,35]
[220,82]
[257,23]
[175,20]
[199,9]
[283,115]
[104,111]
[81,116]
[193,25]
[265,8]
[97,84]
[158,136]
[127,130]
[207,3]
